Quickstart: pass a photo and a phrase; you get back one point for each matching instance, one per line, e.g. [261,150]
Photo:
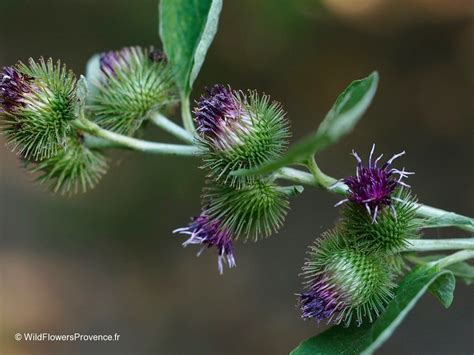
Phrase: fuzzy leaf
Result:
[187,28]
[443,289]
[370,336]
[340,120]
[462,269]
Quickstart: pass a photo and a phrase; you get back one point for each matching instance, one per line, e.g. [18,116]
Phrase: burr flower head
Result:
[209,232]
[343,283]
[394,225]
[253,211]
[37,104]
[372,187]
[74,169]
[238,130]
[132,81]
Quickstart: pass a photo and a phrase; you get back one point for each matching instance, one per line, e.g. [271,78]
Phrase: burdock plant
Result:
[352,276]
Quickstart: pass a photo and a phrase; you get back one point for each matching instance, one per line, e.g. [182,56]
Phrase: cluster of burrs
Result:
[349,271]
[237,130]
[40,108]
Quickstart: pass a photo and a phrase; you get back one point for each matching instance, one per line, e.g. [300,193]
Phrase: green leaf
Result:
[340,120]
[370,336]
[348,108]
[462,269]
[443,289]
[187,28]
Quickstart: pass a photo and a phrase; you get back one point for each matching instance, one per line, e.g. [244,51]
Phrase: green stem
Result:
[321,180]
[454,258]
[136,144]
[169,126]
[439,244]
[186,114]
[102,138]
[434,217]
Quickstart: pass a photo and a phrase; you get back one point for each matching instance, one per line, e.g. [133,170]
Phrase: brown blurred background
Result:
[106,261]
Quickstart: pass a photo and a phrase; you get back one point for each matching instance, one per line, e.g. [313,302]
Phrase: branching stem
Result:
[454,258]
[169,126]
[186,114]
[434,217]
[134,143]
[439,244]
[102,138]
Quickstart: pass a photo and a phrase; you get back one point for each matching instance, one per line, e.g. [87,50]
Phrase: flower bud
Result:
[372,187]
[239,131]
[132,81]
[74,168]
[343,283]
[393,228]
[209,232]
[254,211]
[37,104]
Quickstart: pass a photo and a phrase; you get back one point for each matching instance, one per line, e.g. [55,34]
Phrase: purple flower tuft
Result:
[220,118]
[113,61]
[320,302]
[13,86]
[209,233]
[373,186]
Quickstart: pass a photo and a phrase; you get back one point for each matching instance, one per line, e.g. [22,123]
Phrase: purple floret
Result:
[214,109]
[373,186]
[13,87]
[210,233]
[109,62]
[320,302]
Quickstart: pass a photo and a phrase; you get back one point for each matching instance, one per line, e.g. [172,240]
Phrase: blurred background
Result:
[107,262]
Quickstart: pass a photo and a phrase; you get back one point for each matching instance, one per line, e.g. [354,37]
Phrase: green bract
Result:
[38,120]
[243,131]
[251,212]
[73,169]
[390,232]
[350,283]
[131,82]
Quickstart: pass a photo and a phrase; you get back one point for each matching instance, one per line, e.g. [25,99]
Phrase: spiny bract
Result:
[256,210]
[37,106]
[73,169]
[343,283]
[132,81]
[391,230]
[239,131]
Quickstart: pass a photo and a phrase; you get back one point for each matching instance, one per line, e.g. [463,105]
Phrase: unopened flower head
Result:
[343,283]
[132,81]
[73,169]
[37,103]
[253,211]
[372,187]
[209,232]
[239,131]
